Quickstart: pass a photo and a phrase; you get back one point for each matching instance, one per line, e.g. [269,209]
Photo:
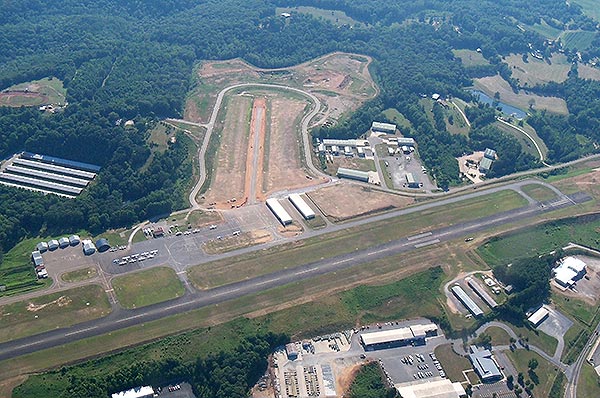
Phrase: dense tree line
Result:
[530,278]
[222,375]
[133,59]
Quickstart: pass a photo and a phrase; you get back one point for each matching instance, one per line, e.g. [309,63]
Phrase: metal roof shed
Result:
[102,244]
[53,244]
[277,209]
[42,247]
[74,240]
[302,206]
[353,174]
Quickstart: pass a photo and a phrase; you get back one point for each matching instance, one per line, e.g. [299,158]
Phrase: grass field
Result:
[525,142]
[545,371]
[590,8]
[492,84]
[498,335]
[273,259]
[229,243]
[537,72]
[540,239]
[80,275]
[470,57]
[53,311]
[545,30]
[589,382]
[588,72]
[398,118]
[336,17]
[147,287]
[34,93]
[578,309]
[16,270]
[537,338]
[577,39]
[539,192]
[452,363]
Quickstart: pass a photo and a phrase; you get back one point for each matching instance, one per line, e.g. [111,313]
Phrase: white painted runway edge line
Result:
[423,235]
[429,242]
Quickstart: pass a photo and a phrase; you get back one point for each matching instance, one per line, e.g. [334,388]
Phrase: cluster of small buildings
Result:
[48,174]
[51,245]
[398,337]
[468,302]
[62,243]
[334,147]
[569,271]
[489,156]
[281,213]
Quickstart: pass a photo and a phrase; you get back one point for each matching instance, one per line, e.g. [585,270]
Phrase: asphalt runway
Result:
[121,318]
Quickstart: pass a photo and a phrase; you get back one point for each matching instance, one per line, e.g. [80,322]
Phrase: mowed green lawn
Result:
[53,311]
[452,363]
[588,385]
[147,287]
[230,270]
[80,275]
[545,371]
[540,239]
[539,192]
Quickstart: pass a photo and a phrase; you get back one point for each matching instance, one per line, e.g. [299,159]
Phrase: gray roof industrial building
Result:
[383,127]
[466,300]
[353,174]
[484,364]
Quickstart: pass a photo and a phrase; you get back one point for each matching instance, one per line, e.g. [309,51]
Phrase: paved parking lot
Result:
[556,325]
[68,259]
[179,390]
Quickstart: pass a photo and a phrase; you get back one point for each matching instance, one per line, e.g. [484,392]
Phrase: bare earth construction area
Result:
[259,130]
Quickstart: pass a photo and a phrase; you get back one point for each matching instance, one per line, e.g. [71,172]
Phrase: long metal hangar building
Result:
[282,215]
[398,337]
[48,174]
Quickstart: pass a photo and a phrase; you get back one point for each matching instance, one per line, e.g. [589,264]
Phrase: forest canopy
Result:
[134,59]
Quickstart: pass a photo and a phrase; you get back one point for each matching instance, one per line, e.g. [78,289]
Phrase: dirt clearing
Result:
[283,161]
[346,201]
[229,175]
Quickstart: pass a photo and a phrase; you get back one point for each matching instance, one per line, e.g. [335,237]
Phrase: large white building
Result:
[398,336]
[570,270]
[302,206]
[137,392]
[432,389]
[282,215]
[383,127]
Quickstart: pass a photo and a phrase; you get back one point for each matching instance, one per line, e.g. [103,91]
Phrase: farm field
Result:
[493,84]
[588,72]
[53,311]
[147,287]
[35,93]
[545,30]
[590,8]
[470,57]
[537,72]
[577,39]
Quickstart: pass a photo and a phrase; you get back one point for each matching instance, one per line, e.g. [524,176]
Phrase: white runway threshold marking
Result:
[423,235]
[429,242]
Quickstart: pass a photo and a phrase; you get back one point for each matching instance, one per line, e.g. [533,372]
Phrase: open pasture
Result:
[496,84]
[537,72]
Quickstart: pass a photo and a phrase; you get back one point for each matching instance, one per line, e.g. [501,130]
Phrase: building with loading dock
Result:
[398,337]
